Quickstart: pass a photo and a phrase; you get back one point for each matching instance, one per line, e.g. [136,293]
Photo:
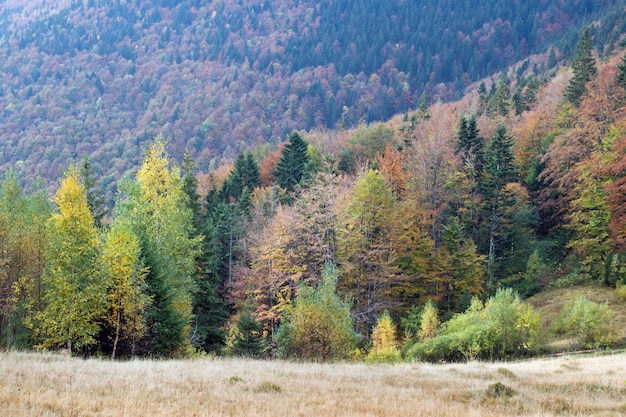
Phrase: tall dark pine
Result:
[208,309]
[584,67]
[470,145]
[620,78]
[499,170]
[95,198]
[292,163]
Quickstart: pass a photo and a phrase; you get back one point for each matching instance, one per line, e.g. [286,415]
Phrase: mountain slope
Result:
[100,78]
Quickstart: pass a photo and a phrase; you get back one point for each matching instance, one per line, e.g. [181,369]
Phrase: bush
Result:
[318,326]
[504,326]
[592,325]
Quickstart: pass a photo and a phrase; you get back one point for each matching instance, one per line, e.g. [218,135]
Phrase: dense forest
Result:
[419,237]
[102,78]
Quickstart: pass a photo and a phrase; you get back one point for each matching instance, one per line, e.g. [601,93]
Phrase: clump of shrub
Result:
[267,388]
[384,345]
[590,324]
[502,327]
[318,326]
[498,390]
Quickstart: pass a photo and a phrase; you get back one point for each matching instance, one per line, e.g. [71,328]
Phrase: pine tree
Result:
[499,171]
[620,78]
[74,292]
[584,67]
[292,163]
[95,198]
[501,102]
[246,337]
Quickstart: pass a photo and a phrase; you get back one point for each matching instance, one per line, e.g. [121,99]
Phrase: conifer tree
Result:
[584,67]
[384,344]
[74,292]
[292,163]
[246,337]
[499,171]
[95,198]
[620,78]
[157,207]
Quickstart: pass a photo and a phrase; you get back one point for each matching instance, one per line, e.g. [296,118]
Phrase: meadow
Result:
[46,384]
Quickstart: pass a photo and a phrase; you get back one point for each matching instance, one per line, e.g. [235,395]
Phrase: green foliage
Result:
[156,206]
[74,293]
[318,326]
[124,274]
[245,337]
[384,346]
[23,238]
[592,325]
[620,77]
[364,145]
[95,196]
[584,67]
[293,162]
[502,327]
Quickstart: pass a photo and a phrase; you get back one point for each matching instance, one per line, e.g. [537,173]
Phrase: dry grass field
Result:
[53,385]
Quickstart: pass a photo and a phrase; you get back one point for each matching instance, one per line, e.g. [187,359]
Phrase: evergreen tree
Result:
[499,171]
[246,337]
[293,160]
[620,78]
[208,308]
[584,67]
[501,102]
[158,209]
[95,198]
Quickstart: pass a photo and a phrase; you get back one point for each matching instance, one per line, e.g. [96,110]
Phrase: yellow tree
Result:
[367,247]
[126,297]
[156,206]
[74,295]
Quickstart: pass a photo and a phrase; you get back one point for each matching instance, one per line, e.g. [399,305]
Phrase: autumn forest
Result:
[419,236]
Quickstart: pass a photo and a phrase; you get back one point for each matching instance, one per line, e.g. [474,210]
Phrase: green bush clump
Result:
[318,326]
[590,324]
[502,327]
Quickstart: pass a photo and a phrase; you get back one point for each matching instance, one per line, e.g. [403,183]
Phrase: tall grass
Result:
[54,385]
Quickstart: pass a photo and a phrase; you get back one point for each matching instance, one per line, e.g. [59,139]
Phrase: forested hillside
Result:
[102,78]
[417,238]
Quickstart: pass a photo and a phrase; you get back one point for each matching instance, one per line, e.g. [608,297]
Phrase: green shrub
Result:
[504,326]
[318,326]
[591,324]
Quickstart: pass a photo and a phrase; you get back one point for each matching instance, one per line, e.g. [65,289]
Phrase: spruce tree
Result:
[499,170]
[291,166]
[620,78]
[95,198]
[584,67]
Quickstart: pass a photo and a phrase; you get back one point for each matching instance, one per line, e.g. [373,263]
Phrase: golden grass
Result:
[52,385]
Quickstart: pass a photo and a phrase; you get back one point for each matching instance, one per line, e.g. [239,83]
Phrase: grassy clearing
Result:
[53,385]
[550,302]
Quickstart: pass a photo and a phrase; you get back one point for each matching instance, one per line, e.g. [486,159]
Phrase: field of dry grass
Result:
[53,385]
